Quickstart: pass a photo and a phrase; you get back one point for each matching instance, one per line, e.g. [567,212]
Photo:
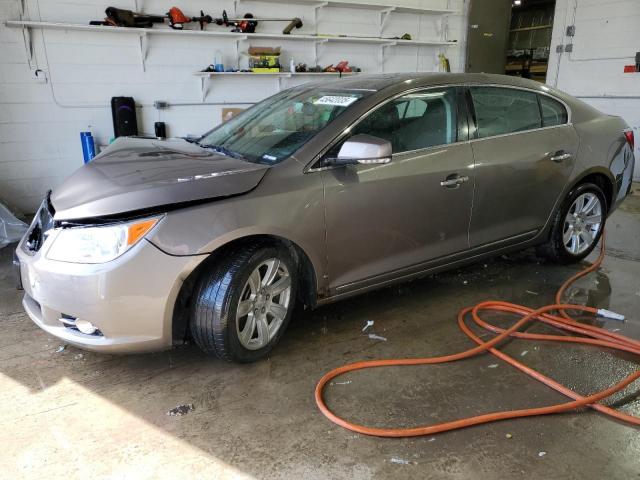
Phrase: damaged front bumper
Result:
[129,301]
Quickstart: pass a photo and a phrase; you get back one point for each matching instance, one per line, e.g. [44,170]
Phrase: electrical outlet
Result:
[40,76]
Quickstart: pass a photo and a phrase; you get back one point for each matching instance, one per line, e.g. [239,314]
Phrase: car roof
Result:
[381,81]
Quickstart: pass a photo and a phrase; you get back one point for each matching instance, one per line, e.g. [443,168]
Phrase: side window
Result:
[553,112]
[504,110]
[412,108]
[414,121]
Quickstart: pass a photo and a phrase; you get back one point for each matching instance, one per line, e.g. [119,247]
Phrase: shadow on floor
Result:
[261,419]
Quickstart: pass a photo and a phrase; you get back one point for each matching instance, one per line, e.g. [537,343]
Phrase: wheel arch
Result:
[601,177]
[598,175]
[307,291]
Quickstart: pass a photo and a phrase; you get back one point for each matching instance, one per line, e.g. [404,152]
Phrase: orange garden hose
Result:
[589,335]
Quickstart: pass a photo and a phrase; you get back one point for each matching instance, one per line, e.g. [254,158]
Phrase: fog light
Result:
[85,327]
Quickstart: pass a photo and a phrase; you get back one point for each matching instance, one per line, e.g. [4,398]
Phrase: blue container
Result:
[218,64]
[88,147]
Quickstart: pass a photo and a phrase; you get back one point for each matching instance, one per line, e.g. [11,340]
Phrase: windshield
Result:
[275,128]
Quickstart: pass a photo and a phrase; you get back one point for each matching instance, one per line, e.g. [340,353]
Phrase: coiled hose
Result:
[555,315]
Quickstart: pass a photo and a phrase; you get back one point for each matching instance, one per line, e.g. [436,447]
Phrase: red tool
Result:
[118,17]
[177,19]
[342,67]
[248,23]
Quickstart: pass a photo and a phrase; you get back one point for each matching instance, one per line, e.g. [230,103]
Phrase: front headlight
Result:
[98,244]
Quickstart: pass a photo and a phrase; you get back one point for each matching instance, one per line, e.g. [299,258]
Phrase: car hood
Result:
[136,174]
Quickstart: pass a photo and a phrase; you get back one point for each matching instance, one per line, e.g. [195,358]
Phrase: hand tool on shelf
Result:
[119,17]
[248,23]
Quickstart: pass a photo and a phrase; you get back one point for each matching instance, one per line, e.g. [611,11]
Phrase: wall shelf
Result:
[317,40]
[529,29]
[368,6]
[384,11]
[205,77]
[274,74]
[220,34]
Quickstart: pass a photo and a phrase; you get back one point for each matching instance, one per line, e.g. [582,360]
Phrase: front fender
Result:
[293,214]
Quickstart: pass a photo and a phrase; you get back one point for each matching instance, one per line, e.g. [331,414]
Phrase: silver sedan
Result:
[318,193]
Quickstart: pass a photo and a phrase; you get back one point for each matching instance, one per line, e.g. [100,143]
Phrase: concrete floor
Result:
[74,414]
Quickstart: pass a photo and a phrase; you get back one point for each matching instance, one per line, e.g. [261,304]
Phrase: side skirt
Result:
[515,243]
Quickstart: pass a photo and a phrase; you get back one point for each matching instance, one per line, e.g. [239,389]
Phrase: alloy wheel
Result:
[582,223]
[264,304]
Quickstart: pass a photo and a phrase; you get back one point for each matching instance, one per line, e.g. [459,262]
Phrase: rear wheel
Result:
[243,304]
[578,225]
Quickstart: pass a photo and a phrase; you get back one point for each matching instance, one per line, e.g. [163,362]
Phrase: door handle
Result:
[454,181]
[560,156]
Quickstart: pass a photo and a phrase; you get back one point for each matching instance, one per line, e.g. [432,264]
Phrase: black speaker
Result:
[160,129]
[123,110]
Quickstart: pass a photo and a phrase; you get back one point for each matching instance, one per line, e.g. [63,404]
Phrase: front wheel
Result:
[244,304]
[578,225]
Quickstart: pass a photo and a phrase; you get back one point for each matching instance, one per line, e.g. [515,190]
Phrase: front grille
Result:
[40,227]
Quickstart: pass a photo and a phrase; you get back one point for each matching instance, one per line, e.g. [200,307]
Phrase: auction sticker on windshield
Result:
[335,100]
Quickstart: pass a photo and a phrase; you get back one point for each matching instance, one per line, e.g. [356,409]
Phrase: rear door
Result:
[385,219]
[524,154]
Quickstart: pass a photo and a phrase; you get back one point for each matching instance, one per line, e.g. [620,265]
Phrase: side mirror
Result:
[363,149]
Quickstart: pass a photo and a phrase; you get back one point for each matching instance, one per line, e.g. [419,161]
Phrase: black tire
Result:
[213,321]
[554,249]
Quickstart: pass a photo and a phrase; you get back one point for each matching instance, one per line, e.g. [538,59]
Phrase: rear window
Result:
[504,110]
[553,112]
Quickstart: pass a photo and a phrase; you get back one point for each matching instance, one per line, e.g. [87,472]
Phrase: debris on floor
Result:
[373,336]
[78,356]
[61,348]
[493,365]
[400,461]
[369,324]
[341,383]
[524,353]
[542,454]
[531,292]
[508,435]
[180,410]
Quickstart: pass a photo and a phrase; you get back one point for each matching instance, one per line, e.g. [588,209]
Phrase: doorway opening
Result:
[510,37]
[529,41]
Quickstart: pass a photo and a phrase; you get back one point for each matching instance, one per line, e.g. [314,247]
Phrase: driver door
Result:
[388,220]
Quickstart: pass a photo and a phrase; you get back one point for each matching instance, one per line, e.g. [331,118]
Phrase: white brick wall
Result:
[607,38]
[39,133]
